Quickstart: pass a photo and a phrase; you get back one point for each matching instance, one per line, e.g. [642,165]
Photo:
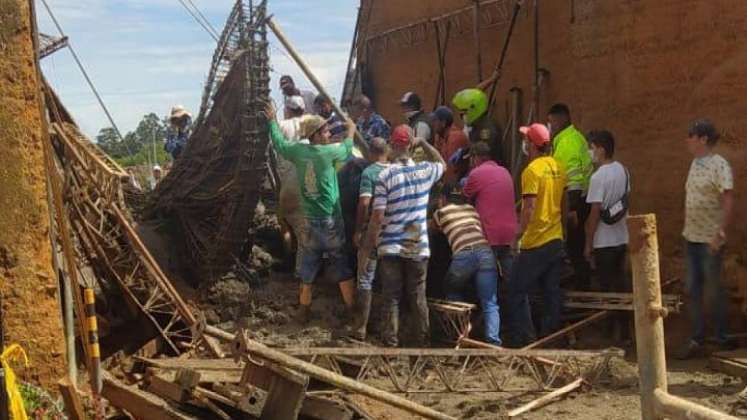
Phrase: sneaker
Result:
[691,350]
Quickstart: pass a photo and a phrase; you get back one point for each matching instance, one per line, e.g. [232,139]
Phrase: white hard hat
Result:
[295,103]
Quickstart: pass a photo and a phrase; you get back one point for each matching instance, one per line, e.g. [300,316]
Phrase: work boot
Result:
[303,315]
[692,349]
[363,310]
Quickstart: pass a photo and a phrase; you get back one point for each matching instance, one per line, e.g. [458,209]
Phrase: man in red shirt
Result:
[448,140]
[491,188]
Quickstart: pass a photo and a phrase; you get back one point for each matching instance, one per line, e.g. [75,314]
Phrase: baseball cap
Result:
[401,136]
[411,99]
[537,133]
[295,103]
[443,113]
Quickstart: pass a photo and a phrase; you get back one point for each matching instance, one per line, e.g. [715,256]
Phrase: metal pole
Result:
[312,77]
[351,57]
[536,92]
[476,35]
[4,414]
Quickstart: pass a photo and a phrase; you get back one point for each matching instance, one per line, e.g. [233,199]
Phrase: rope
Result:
[208,28]
[88,79]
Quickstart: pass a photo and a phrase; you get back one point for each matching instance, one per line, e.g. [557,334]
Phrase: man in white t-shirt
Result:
[606,227]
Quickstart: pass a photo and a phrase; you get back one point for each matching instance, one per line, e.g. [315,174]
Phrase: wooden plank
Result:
[728,366]
[286,390]
[73,405]
[324,409]
[196,364]
[546,399]
[140,404]
[567,330]
[166,389]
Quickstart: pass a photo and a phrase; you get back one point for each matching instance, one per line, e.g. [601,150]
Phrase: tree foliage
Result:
[143,146]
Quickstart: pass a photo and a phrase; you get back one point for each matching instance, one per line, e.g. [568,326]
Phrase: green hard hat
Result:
[473,103]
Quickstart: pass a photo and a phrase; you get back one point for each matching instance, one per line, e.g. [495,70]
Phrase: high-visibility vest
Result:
[571,150]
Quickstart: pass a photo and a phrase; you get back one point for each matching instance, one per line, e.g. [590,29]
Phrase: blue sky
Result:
[147,55]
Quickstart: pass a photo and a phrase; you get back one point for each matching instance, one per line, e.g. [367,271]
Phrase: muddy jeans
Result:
[703,281]
[404,276]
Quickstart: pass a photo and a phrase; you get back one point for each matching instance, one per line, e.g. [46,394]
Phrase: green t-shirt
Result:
[369,177]
[315,168]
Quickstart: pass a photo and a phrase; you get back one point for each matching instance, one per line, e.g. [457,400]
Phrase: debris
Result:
[545,399]
[73,404]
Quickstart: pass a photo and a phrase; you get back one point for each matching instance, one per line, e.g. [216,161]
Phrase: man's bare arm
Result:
[361,215]
[431,153]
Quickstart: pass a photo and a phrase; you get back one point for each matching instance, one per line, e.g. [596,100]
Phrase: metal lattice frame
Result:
[49,44]
[460,370]
[106,240]
[614,301]
[214,187]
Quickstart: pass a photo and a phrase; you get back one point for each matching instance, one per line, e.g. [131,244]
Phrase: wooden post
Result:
[476,37]
[312,77]
[649,324]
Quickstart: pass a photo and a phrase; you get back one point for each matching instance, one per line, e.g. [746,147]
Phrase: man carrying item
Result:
[472,106]
[399,230]
[607,228]
[709,207]
[323,231]
[472,258]
[491,188]
[288,87]
[572,152]
[543,187]
[449,139]
[370,124]
[180,127]
[378,154]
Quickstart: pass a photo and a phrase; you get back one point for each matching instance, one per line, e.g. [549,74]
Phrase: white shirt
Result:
[607,186]
[291,129]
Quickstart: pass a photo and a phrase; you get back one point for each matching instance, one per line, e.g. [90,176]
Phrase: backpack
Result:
[619,209]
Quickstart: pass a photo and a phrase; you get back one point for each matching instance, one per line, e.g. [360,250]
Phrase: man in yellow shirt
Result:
[543,209]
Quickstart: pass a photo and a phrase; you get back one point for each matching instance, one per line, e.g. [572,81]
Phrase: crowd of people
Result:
[372,218]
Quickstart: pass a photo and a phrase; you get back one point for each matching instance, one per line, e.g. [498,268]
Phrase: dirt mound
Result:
[31,313]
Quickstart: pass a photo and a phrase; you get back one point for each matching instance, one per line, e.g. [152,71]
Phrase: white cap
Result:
[157,168]
[295,103]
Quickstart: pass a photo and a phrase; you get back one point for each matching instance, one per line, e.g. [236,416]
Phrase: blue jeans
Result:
[703,281]
[478,263]
[319,237]
[535,267]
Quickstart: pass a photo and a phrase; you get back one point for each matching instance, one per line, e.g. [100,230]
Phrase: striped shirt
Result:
[461,225]
[402,191]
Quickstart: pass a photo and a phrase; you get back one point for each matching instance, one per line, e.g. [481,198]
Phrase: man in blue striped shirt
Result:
[399,229]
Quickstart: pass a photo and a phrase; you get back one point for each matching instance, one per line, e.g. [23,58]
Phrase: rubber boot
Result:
[363,310]
[304,308]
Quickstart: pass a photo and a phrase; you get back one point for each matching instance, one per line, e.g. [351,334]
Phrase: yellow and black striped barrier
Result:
[93,338]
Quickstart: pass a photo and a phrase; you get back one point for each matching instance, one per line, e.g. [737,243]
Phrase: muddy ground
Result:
[265,305]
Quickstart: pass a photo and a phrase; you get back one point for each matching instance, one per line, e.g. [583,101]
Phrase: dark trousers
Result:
[610,270]
[537,267]
[404,276]
[576,241]
[704,283]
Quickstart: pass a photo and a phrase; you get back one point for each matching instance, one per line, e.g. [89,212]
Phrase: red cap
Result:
[537,133]
[401,136]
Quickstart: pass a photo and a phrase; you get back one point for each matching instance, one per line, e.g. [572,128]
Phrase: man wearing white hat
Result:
[180,126]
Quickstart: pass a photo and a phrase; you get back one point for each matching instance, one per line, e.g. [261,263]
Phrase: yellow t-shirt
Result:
[545,179]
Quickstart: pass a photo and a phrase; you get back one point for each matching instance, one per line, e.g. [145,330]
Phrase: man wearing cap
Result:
[288,87]
[180,122]
[571,150]
[323,233]
[449,139]
[709,209]
[156,177]
[399,231]
[543,189]
[417,119]
[370,123]
[490,186]
[324,109]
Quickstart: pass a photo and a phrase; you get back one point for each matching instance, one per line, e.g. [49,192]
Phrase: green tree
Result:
[143,146]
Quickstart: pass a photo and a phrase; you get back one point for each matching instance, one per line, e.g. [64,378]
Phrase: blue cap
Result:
[443,113]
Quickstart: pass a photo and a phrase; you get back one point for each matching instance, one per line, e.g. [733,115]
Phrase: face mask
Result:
[410,114]
[594,158]
[525,148]
[549,127]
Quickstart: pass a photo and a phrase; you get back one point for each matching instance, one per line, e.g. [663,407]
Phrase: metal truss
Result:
[106,241]
[492,13]
[460,370]
[454,318]
[49,44]
[614,301]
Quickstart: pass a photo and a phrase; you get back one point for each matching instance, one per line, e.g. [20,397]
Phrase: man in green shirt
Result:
[323,230]
[571,150]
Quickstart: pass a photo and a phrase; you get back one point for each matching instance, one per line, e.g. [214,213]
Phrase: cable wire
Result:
[204,19]
[85,75]
[197,19]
